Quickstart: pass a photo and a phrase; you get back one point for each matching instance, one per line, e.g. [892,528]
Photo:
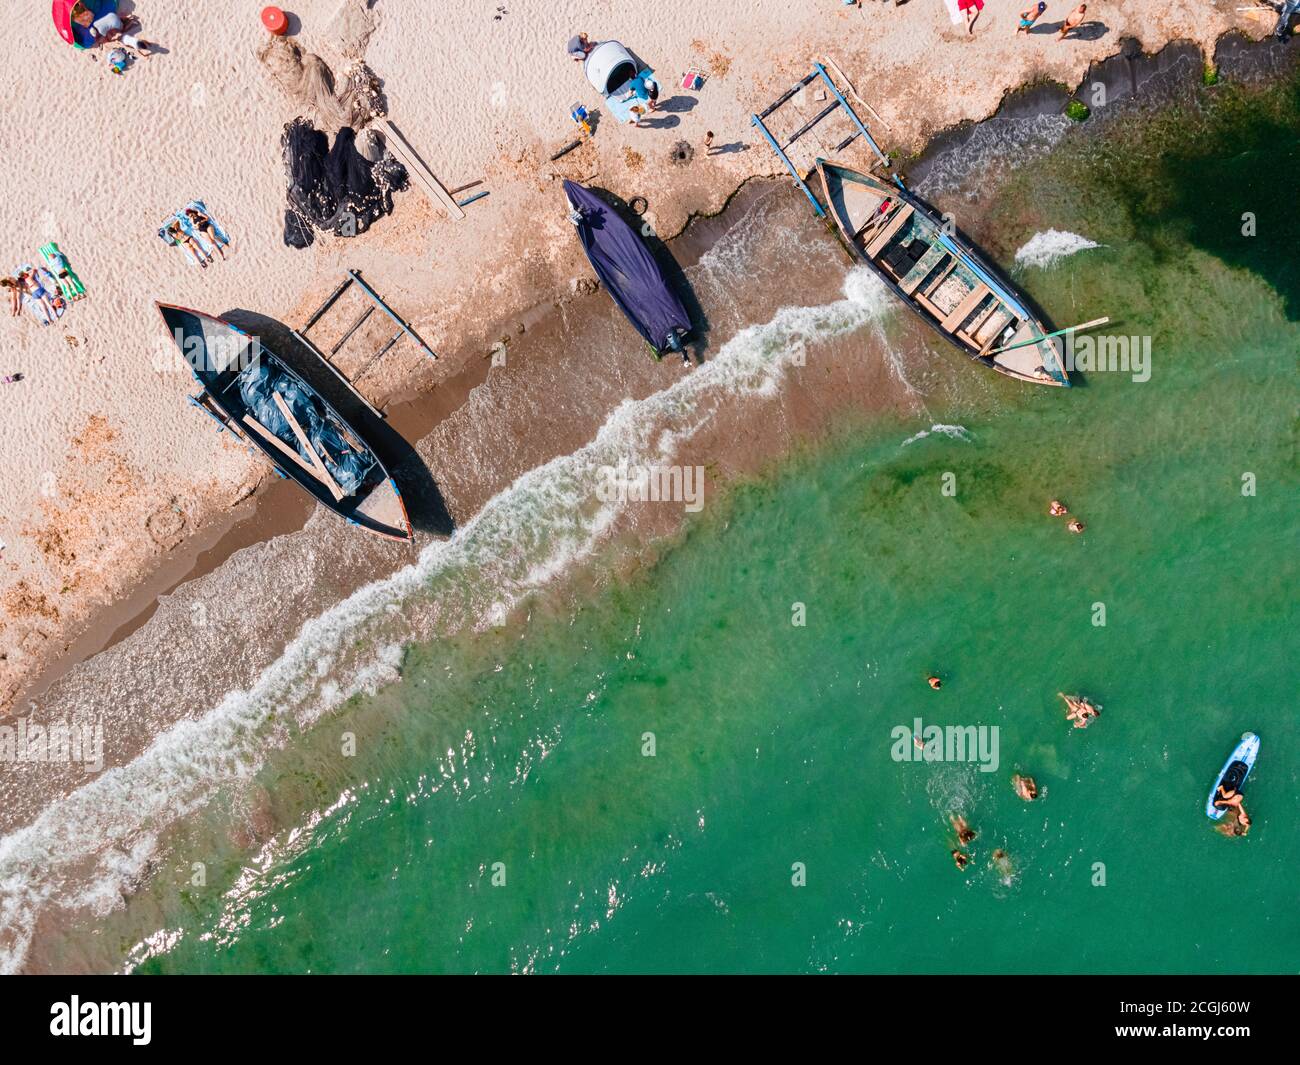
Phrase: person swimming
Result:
[1056,509]
[1076,526]
[960,858]
[964,832]
[1025,787]
[1080,710]
[934,682]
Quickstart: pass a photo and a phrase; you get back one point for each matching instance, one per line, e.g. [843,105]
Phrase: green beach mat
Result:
[69,283]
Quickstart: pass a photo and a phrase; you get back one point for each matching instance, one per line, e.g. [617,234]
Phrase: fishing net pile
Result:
[344,188]
[336,189]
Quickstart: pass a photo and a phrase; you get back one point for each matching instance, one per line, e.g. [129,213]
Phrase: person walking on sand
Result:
[1029,16]
[708,142]
[1073,20]
[972,9]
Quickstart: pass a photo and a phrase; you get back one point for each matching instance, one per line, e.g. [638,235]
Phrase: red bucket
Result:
[275,20]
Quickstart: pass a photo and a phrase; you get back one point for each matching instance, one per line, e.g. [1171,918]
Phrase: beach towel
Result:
[190,230]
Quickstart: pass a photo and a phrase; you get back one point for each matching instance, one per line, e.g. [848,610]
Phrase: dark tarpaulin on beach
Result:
[334,188]
[627,269]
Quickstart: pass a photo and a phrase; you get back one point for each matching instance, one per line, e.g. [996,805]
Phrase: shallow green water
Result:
[526,746]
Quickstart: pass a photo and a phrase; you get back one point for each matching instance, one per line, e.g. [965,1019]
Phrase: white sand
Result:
[107,467]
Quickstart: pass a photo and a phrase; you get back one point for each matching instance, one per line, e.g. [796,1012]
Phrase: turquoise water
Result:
[503,812]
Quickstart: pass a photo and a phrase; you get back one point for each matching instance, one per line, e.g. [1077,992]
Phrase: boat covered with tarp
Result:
[253,393]
[940,276]
[628,270]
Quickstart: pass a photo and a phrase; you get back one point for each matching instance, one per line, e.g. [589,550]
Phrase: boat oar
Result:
[1048,336]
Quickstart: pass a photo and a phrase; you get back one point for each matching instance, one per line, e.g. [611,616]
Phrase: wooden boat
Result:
[249,391]
[939,276]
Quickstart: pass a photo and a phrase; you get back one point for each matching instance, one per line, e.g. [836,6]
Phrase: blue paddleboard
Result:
[1234,772]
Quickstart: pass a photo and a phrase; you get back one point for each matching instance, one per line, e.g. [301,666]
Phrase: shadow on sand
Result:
[424,503]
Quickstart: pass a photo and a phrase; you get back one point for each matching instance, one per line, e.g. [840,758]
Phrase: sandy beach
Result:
[110,474]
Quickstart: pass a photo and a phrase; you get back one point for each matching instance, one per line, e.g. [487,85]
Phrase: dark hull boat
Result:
[939,276]
[255,395]
[628,271]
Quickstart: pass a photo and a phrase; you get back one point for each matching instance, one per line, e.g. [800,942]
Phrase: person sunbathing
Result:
[204,224]
[50,304]
[109,27]
[179,236]
[15,296]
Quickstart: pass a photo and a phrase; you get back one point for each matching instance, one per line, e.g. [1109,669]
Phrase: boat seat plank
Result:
[924,265]
[270,437]
[901,215]
[959,313]
[322,472]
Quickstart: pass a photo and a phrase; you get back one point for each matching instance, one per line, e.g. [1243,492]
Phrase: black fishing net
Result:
[334,189]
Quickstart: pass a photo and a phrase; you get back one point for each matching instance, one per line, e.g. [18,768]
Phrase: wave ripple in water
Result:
[85,850]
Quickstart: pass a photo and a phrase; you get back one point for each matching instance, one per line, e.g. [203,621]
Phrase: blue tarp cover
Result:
[627,269]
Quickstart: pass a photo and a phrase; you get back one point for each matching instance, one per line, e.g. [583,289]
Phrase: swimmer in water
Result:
[1080,711]
[1057,509]
[961,859]
[1001,861]
[934,682]
[964,832]
[1076,526]
[1025,787]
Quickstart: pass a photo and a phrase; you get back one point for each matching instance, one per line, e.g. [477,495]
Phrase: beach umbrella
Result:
[75,35]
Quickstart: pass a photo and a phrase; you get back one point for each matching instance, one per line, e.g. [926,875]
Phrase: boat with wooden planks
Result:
[251,392]
[940,276]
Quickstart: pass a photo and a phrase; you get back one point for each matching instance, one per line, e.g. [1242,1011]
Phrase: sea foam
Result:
[90,846]
[1050,246]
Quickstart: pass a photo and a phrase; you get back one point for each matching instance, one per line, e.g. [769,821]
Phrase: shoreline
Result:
[545,268]
[417,409]
[743,416]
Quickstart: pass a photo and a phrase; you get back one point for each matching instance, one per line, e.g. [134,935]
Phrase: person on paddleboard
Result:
[1230,799]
